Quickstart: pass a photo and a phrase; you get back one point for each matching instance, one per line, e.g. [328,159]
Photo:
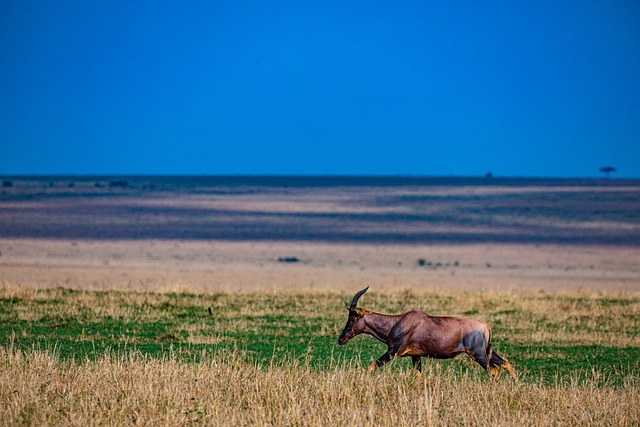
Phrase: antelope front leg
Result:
[380,362]
[417,364]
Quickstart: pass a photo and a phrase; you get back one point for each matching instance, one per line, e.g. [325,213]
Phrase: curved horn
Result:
[356,297]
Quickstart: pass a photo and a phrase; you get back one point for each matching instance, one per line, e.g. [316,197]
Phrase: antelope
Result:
[415,333]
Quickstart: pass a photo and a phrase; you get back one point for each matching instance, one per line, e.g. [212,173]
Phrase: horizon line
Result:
[488,176]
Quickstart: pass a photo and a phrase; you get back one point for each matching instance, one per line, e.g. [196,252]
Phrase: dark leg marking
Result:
[480,358]
[417,363]
[383,359]
[496,359]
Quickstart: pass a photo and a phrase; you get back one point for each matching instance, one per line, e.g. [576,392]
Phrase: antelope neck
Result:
[379,325]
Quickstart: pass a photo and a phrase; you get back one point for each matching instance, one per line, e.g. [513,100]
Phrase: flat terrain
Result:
[218,301]
[230,233]
[271,358]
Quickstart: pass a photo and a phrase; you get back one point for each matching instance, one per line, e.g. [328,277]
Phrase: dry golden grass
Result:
[37,388]
[223,387]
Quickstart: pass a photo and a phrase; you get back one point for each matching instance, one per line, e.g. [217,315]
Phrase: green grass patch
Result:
[546,338]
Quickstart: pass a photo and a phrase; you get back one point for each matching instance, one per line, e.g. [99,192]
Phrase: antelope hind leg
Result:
[494,370]
[500,362]
[507,367]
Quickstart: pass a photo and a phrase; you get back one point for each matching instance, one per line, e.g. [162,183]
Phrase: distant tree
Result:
[606,170]
[6,183]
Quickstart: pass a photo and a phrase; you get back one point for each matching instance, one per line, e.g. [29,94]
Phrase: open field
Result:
[374,211]
[121,358]
[216,233]
[134,390]
[104,293]
[178,265]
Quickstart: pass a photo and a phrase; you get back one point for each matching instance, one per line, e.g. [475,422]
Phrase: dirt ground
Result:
[160,265]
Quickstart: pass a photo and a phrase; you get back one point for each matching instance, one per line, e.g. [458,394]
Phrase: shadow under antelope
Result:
[415,333]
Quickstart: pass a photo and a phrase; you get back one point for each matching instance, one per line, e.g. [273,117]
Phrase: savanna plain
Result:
[219,300]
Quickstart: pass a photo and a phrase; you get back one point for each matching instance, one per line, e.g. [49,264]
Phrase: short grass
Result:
[72,357]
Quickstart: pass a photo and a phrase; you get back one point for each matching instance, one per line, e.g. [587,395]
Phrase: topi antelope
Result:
[416,334]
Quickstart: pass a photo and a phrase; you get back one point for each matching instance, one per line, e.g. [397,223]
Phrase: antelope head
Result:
[355,321]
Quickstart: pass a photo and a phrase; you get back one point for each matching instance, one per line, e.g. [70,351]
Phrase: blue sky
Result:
[542,88]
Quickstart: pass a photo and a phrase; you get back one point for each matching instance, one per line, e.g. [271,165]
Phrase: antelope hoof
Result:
[495,372]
